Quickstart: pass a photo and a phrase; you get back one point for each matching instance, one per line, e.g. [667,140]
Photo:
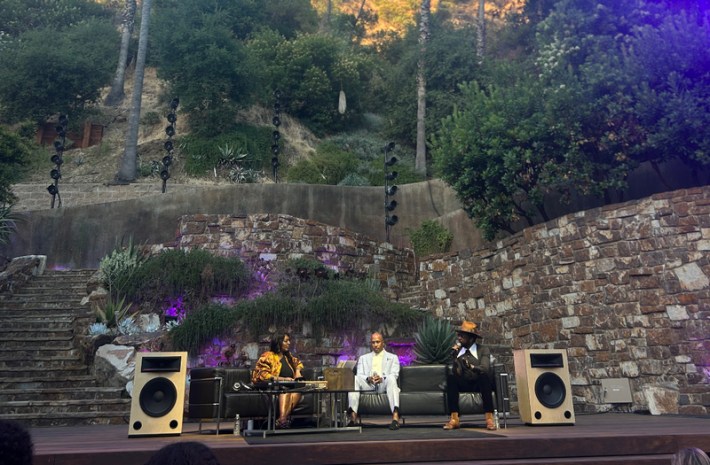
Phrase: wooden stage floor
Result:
[608,439]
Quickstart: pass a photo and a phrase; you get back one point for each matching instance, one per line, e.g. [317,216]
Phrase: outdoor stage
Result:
[609,439]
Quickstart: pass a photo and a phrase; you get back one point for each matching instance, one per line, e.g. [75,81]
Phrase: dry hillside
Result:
[99,164]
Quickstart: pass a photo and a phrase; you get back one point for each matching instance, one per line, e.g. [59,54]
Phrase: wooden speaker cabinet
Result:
[544,392]
[158,394]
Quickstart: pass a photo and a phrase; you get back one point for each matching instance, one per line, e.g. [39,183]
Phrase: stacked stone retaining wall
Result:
[624,289]
[278,238]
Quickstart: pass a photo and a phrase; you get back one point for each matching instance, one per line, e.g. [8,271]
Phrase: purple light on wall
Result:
[404,350]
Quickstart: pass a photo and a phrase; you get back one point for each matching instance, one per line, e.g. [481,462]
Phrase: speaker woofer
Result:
[550,390]
[158,397]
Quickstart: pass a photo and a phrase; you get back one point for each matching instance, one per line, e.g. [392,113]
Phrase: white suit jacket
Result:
[390,366]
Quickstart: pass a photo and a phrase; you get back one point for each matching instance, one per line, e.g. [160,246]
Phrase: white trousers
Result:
[388,386]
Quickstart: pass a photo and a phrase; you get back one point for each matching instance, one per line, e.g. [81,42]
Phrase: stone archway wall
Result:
[623,288]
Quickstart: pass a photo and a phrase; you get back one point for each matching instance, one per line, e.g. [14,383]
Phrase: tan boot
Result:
[490,422]
[453,421]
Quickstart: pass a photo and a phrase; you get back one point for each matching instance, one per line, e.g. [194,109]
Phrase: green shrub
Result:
[196,275]
[354,179]
[328,304]
[329,165]
[201,325]
[374,171]
[431,238]
[367,149]
[151,118]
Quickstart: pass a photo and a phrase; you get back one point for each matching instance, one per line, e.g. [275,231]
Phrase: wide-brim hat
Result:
[468,327]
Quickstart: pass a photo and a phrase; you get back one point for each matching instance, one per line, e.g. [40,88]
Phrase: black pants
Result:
[456,384]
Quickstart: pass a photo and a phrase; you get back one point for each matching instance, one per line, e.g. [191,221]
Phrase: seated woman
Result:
[279,365]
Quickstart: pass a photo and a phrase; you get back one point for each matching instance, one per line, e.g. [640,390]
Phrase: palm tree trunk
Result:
[117,94]
[127,172]
[420,160]
[481,31]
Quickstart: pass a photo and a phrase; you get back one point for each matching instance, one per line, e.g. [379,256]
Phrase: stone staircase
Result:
[44,378]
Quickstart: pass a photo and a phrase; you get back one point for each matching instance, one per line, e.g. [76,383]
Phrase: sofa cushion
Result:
[415,378]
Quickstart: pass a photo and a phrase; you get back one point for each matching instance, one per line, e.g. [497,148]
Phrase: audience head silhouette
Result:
[690,456]
[16,446]
[184,453]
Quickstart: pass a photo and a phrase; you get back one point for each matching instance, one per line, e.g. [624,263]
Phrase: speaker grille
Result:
[158,397]
[550,390]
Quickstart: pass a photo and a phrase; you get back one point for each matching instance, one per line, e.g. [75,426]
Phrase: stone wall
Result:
[278,238]
[623,288]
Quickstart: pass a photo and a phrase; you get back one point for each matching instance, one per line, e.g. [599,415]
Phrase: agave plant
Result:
[112,312]
[433,341]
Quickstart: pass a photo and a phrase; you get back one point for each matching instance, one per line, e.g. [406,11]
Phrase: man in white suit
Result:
[378,371]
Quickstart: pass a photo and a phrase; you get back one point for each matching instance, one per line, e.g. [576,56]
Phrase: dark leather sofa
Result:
[220,393]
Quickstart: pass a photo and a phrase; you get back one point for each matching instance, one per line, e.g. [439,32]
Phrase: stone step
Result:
[56,362]
[28,352]
[48,373]
[49,304]
[55,343]
[33,313]
[35,382]
[44,407]
[85,394]
[16,333]
[40,321]
[118,417]
[46,297]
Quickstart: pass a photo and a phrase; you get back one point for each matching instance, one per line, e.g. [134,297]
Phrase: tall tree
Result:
[420,160]
[128,16]
[127,172]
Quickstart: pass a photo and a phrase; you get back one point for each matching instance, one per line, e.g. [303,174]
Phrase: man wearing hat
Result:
[469,374]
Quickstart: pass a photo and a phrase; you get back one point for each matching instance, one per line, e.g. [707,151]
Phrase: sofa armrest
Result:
[205,400]
[502,389]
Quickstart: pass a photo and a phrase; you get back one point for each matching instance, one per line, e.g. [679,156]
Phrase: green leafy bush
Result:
[202,324]
[433,341]
[431,238]
[151,118]
[329,165]
[14,152]
[332,304]
[195,275]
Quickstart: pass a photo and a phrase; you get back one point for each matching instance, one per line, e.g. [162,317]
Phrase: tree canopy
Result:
[55,70]
[14,156]
[606,86]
